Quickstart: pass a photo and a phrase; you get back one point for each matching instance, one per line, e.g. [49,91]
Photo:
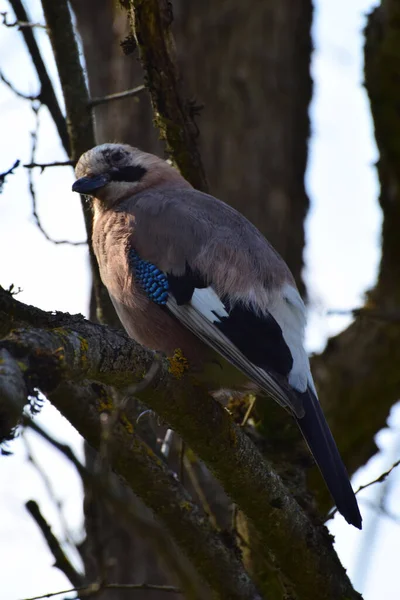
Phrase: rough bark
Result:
[300,551]
[110,70]
[250,67]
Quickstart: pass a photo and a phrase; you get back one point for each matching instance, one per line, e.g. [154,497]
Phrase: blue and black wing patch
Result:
[153,281]
[252,341]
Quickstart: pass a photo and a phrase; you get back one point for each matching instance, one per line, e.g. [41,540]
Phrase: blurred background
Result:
[342,232]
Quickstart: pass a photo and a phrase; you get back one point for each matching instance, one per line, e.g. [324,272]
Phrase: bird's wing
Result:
[222,280]
[252,342]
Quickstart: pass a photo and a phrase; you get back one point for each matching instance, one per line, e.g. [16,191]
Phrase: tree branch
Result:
[174,115]
[79,121]
[20,24]
[117,96]
[94,588]
[62,561]
[6,173]
[151,479]
[110,491]
[57,163]
[379,479]
[80,350]
[46,95]
[14,90]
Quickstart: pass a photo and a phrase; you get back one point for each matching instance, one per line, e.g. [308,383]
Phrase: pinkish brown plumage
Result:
[185,270]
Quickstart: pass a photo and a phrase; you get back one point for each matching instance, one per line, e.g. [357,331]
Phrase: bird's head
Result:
[112,172]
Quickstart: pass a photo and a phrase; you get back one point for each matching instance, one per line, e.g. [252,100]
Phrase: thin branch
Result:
[43,166]
[303,552]
[50,492]
[94,588]
[7,82]
[117,96]
[47,94]
[6,173]
[61,560]
[379,479]
[20,24]
[80,123]
[34,136]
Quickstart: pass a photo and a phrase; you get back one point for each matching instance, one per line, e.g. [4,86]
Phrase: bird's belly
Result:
[151,326]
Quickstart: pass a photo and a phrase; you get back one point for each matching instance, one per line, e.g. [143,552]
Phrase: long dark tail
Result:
[320,440]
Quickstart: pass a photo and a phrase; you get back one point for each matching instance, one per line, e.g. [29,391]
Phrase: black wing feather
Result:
[258,337]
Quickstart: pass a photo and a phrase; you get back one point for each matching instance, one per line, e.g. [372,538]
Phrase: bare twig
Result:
[34,135]
[43,166]
[47,94]
[9,172]
[252,401]
[117,96]
[379,479]
[20,24]
[95,588]
[7,82]
[61,560]
[50,491]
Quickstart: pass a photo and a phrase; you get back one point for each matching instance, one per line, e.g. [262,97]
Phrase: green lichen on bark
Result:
[151,24]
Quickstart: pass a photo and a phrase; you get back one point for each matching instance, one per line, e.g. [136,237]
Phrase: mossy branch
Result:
[78,350]
[174,114]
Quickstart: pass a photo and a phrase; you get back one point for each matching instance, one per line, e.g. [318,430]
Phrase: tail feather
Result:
[319,439]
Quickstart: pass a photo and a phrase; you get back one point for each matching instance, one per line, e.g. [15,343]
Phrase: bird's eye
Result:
[117,155]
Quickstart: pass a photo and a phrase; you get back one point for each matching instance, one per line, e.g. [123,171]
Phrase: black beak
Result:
[87,185]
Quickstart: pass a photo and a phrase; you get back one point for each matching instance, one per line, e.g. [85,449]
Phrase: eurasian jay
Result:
[185,270]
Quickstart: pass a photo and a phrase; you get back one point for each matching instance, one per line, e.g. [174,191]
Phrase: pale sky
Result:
[342,257]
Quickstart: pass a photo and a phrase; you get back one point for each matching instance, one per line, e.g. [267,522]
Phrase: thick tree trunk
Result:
[250,68]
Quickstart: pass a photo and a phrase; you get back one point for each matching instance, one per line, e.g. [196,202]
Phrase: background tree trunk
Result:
[250,71]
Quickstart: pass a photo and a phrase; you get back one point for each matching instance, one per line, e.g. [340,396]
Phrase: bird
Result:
[187,271]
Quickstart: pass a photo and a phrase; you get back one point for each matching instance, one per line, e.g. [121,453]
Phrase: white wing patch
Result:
[207,302]
[289,312]
[198,317]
